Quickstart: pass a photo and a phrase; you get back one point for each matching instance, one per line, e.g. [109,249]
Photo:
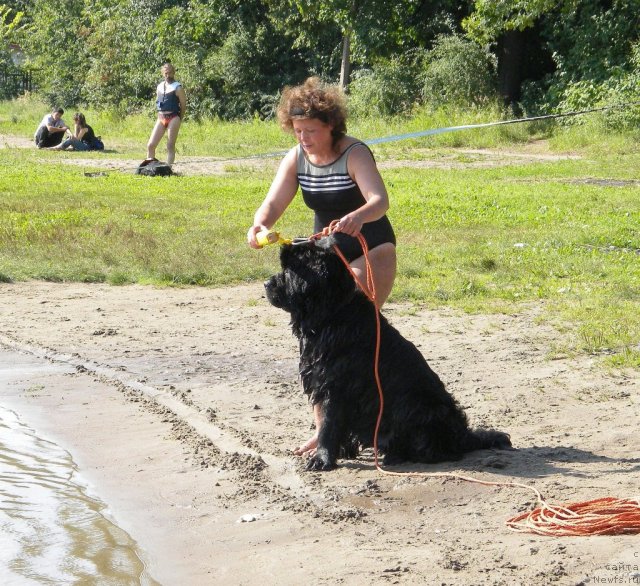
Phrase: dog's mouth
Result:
[273,288]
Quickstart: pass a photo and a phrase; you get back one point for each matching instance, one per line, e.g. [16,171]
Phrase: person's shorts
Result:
[375,233]
[164,118]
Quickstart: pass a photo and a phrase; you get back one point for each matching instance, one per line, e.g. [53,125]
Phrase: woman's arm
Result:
[281,193]
[182,98]
[364,171]
[80,132]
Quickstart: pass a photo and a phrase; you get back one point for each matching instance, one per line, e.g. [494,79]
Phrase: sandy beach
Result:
[181,407]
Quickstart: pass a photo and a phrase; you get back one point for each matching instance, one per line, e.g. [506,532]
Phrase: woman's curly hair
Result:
[314,99]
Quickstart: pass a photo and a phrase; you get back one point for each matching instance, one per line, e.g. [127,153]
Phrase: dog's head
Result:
[313,284]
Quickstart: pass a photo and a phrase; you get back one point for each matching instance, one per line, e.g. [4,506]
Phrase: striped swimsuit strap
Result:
[326,178]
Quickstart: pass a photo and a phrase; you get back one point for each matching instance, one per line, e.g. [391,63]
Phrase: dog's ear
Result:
[286,252]
[300,247]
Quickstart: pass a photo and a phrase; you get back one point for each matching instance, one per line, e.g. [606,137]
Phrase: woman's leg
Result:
[62,146]
[74,144]
[309,447]
[156,135]
[80,146]
[383,265]
[172,137]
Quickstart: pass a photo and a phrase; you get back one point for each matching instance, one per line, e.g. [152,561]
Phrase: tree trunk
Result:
[345,67]
[510,66]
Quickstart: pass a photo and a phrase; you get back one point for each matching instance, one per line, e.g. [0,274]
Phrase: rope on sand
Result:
[602,516]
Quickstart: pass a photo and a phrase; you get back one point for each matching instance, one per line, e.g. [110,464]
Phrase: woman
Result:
[339,181]
[171,103]
[82,137]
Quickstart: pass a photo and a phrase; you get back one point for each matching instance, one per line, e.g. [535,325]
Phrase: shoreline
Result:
[121,452]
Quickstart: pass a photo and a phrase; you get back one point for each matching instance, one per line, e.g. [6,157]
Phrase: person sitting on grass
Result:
[51,130]
[81,139]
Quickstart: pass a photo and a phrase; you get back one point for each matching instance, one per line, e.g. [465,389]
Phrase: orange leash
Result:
[603,516]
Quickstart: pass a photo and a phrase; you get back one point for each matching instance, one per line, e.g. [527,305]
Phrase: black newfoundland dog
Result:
[336,326]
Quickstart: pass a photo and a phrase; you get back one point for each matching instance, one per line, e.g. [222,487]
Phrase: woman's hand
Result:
[251,236]
[351,224]
[282,191]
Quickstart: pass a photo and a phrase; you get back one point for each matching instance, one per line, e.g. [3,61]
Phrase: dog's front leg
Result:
[329,437]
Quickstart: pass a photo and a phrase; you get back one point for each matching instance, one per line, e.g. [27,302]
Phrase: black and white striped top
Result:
[331,193]
[328,189]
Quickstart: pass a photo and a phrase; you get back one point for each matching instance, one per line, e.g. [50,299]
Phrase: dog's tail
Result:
[485,439]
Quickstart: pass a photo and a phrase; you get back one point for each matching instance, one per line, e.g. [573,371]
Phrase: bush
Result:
[458,72]
[392,86]
[624,89]
[621,87]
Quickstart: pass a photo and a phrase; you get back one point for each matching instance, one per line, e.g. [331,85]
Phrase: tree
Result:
[9,22]
[582,40]
[123,55]
[492,18]
[363,31]
[53,40]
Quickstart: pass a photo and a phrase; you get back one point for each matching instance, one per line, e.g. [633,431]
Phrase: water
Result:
[51,530]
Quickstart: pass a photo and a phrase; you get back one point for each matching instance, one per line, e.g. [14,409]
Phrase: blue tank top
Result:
[331,193]
[166,98]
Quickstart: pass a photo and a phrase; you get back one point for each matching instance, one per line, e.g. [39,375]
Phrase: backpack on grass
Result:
[154,168]
[96,144]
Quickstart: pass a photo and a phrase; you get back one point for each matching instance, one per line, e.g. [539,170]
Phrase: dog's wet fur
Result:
[335,324]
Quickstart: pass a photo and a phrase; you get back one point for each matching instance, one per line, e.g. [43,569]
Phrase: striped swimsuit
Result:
[331,193]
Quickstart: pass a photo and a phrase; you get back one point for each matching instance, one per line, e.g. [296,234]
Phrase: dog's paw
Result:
[502,441]
[350,449]
[392,459]
[319,463]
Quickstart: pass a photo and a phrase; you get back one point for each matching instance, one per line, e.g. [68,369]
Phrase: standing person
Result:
[171,103]
[340,181]
[82,137]
[51,129]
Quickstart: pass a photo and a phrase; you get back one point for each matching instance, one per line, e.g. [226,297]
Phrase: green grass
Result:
[129,135]
[559,234]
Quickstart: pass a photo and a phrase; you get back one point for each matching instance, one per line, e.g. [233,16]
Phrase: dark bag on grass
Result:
[96,144]
[154,168]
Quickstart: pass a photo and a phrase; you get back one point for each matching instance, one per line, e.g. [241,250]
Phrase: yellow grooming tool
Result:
[270,237]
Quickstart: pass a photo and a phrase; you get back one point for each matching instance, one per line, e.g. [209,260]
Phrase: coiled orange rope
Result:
[603,516]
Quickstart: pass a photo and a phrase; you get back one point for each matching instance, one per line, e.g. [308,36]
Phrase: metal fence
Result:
[15,83]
